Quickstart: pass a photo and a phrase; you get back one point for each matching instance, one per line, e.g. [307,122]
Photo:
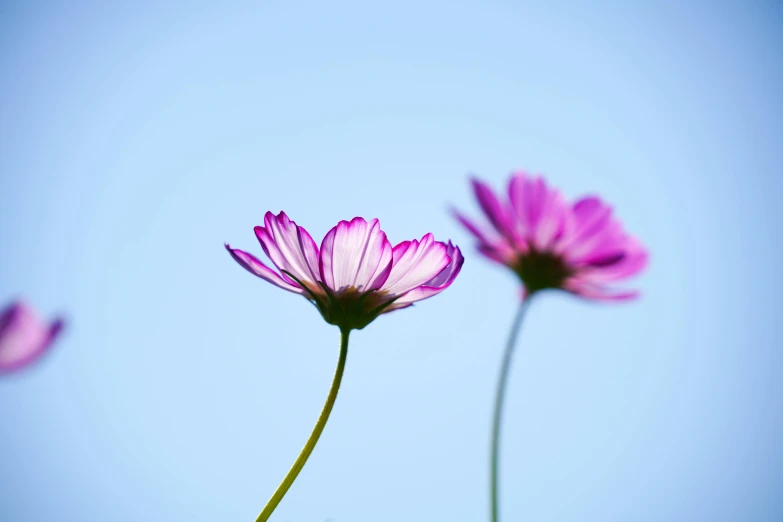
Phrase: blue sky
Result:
[135,140]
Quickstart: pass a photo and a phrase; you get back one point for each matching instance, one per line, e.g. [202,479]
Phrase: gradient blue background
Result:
[135,140]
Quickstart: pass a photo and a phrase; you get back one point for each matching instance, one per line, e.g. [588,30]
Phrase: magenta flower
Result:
[549,243]
[24,338]
[356,274]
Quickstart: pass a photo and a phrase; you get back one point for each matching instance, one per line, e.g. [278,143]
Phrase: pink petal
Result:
[290,247]
[590,218]
[500,218]
[472,227]
[355,254]
[528,197]
[494,254]
[256,267]
[435,285]
[497,249]
[24,338]
[383,267]
[607,243]
[634,260]
[597,292]
[448,274]
[591,215]
[415,263]
[552,216]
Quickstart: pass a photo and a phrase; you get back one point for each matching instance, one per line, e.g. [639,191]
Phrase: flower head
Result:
[23,336]
[550,243]
[356,274]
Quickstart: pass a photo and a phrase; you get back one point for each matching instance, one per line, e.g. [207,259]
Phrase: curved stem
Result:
[311,442]
[499,397]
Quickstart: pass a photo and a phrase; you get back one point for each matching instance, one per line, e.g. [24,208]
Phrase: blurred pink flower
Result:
[356,274]
[24,337]
[549,243]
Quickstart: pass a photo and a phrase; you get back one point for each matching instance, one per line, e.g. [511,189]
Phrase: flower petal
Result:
[635,259]
[355,254]
[497,249]
[435,285]
[540,210]
[597,292]
[290,247]
[24,338]
[606,244]
[493,253]
[590,218]
[446,276]
[415,263]
[527,196]
[472,227]
[256,267]
[383,267]
[497,214]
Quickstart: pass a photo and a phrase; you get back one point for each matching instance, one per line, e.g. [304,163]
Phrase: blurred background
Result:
[135,140]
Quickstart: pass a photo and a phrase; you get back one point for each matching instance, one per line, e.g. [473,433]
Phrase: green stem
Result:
[499,397]
[311,442]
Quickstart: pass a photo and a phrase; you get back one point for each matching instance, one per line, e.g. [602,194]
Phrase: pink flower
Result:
[356,274]
[24,338]
[549,243]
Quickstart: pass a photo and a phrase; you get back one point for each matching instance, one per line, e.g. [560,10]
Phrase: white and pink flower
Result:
[356,274]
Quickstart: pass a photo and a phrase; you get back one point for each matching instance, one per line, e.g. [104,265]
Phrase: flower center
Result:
[351,308]
[541,270]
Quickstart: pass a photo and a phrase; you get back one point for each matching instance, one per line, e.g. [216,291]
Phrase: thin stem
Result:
[499,398]
[311,442]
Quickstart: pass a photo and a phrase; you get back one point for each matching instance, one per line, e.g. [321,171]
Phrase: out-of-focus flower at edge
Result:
[24,337]
[355,276]
[550,244]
